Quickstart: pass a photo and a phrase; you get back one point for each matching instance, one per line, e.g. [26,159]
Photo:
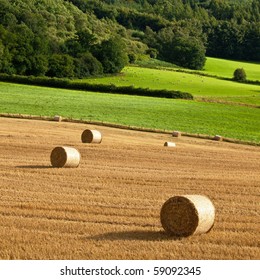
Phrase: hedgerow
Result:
[70,84]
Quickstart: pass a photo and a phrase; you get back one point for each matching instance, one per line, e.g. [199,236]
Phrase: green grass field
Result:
[222,68]
[226,68]
[231,121]
[199,86]
[223,116]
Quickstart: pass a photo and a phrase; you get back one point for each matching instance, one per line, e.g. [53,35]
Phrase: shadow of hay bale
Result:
[146,235]
[34,166]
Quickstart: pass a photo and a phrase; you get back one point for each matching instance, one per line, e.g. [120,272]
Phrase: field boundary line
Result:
[127,127]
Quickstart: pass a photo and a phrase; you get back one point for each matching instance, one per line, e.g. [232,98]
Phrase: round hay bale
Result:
[187,215]
[65,157]
[218,138]
[91,136]
[176,134]
[169,144]
[57,118]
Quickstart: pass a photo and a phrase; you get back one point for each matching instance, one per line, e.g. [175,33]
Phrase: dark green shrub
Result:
[60,65]
[38,65]
[86,64]
[152,52]
[132,57]
[184,51]
[112,54]
[239,75]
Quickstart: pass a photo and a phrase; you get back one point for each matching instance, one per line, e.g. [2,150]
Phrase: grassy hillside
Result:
[198,86]
[238,122]
[226,68]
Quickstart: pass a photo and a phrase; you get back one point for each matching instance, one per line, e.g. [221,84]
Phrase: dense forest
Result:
[79,38]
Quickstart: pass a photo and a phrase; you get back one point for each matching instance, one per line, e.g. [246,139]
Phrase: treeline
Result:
[56,39]
[220,28]
[80,38]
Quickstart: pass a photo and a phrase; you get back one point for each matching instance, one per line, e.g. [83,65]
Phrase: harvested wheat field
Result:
[109,206]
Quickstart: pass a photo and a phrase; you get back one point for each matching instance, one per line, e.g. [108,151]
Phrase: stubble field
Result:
[109,207]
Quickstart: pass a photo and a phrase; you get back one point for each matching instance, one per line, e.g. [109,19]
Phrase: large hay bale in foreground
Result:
[65,157]
[169,144]
[187,215]
[176,134]
[91,136]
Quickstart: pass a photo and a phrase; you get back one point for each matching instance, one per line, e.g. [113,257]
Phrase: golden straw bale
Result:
[65,157]
[187,215]
[176,134]
[218,138]
[169,144]
[91,136]
[57,118]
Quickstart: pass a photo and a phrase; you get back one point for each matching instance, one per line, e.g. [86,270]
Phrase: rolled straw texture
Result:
[65,157]
[218,138]
[176,134]
[91,136]
[169,144]
[187,215]
[57,118]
